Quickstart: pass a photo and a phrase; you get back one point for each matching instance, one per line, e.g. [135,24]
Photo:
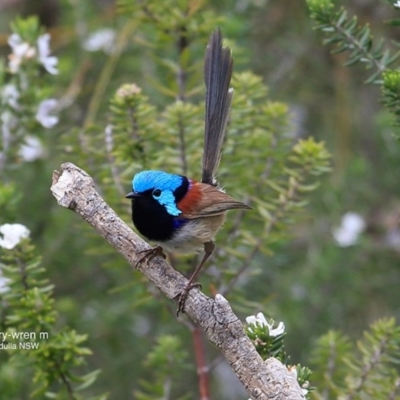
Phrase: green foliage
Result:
[30,334]
[166,361]
[267,340]
[28,28]
[365,371]
[175,32]
[8,202]
[303,377]
[391,93]
[178,22]
[348,35]
[369,371]
[327,359]
[131,119]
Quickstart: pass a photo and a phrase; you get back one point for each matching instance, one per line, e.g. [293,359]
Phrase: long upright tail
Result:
[218,68]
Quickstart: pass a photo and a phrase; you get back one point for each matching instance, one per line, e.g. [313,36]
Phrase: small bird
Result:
[179,213]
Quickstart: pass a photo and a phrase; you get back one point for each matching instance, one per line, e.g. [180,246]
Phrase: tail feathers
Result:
[218,68]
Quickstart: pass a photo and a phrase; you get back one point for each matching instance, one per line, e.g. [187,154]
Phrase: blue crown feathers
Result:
[167,183]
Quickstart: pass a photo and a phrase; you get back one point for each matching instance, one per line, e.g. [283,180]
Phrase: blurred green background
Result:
[311,282]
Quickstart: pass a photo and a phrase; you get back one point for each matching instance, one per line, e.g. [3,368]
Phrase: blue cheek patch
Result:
[167,199]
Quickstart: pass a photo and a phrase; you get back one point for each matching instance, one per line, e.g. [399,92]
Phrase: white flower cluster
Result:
[21,51]
[261,320]
[12,234]
[24,51]
[397,4]
[32,148]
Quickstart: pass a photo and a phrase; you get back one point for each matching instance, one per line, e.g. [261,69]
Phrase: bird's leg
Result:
[208,250]
[149,254]
[181,297]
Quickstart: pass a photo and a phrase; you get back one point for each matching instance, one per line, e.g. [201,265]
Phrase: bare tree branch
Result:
[74,189]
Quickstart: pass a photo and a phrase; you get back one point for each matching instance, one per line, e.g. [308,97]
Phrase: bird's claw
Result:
[149,254]
[182,296]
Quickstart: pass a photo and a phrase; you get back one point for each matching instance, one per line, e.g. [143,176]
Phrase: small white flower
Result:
[279,330]
[352,225]
[10,96]
[43,113]
[397,4]
[103,39]
[261,320]
[20,50]
[32,149]
[12,235]
[49,62]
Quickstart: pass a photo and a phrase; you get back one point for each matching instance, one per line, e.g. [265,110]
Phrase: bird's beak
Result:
[132,195]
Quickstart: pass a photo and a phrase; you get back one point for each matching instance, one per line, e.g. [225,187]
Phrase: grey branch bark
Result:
[74,189]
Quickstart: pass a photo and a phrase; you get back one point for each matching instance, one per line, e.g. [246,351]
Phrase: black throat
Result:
[151,218]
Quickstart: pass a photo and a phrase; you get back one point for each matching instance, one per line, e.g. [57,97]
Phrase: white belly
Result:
[192,236]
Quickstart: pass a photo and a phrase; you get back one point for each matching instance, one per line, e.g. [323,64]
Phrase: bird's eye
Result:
[157,193]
